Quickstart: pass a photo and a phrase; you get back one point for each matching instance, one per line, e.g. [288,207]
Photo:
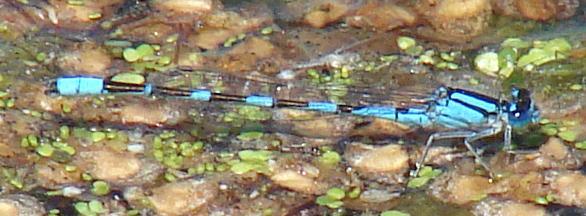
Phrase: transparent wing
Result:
[300,90]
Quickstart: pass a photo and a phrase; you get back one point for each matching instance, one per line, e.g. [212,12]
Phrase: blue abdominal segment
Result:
[201,95]
[322,106]
[80,85]
[256,100]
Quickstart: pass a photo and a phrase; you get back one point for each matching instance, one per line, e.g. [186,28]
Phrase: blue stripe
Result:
[260,100]
[376,111]
[459,112]
[488,105]
[322,106]
[201,95]
[450,122]
[413,116]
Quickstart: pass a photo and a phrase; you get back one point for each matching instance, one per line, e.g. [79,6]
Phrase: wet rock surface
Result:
[142,153]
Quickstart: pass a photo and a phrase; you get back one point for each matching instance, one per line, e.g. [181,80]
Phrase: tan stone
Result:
[8,209]
[522,209]
[295,181]
[390,158]
[110,166]
[568,189]
[185,6]
[180,198]
[554,148]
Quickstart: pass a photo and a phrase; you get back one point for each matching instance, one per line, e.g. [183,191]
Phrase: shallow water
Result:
[227,158]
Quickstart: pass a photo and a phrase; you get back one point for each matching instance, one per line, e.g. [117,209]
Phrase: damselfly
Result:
[468,115]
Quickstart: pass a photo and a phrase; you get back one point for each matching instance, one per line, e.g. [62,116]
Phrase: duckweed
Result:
[100,188]
[40,57]
[70,168]
[130,55]
[170,177]
[393,213]
[330,158]
[172,154]
[86,177]
[91,208]
[354,193]
[164,60]
[45,150]
[581,145]
[332,198]
[487,63]
[336,193]
[546,51]
[576,87]
[145,50]
[564,130]
[249,136]
[266,30]
[251,155]
[230,41]
[253,113]
[54,212]
[405,43]
[568,135]
[65,108]
[251,160]
[541,201]
[131,78]
[98,136]
[75,2]
[425,175]
[64,132]
[95,15]
[516,43]
[117,43]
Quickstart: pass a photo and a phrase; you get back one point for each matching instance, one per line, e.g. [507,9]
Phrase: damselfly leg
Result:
[438,136]
[480,135]
[469,138]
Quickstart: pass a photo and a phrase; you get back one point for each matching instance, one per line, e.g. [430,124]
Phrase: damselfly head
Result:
[521,109]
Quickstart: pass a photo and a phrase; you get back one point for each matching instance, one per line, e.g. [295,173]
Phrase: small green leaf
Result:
[336,193]
[329,202]
[130,78]
[145,50]
[516,43]
[549,129]
[249,136]
[581,145]
[418,182]
[98,136]
[266,30]
[241,167]
[568,135]
[100,188]
[354,193]
[250,155]
[406,42]
[96,206]
[393,213]
[130,55]
[541,201]
[487,63]
[45,150]
[330,158]
[83,209]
